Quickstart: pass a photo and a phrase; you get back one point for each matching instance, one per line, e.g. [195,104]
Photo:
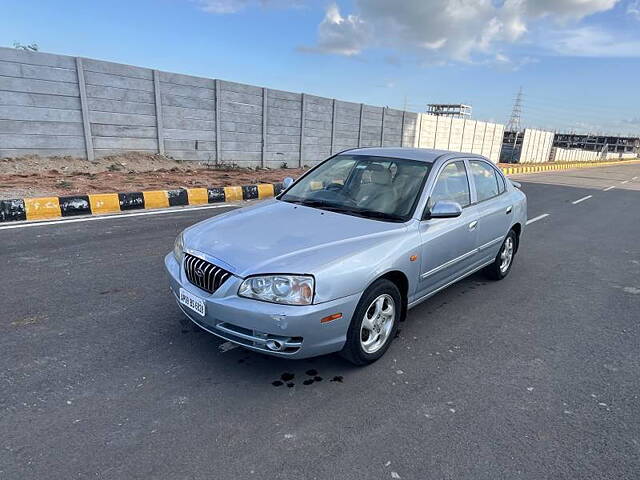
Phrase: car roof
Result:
[429,155]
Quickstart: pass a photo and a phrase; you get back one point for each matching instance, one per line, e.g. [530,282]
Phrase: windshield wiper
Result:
[358,212]
[380,215]
[313,203]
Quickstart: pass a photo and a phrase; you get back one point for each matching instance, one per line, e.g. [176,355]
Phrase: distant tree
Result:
[33,47]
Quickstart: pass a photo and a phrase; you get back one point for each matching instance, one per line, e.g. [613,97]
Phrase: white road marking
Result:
[624,181]
[116,216]
[535,219]
[609,188]
[582,199]
[634,178]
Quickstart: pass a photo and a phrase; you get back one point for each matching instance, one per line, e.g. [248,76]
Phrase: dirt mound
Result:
[35,176]
[129,162]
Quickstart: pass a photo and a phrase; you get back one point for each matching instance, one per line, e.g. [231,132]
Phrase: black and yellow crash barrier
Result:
[47,208]
[518,169]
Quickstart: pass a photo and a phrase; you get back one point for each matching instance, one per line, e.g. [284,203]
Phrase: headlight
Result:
[178,248]
[286,289]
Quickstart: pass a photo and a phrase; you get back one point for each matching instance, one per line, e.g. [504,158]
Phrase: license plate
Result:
[192,302]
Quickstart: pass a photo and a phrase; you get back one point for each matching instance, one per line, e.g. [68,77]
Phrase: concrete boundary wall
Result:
[460,135]
[578,155]
[621,155]
[60,105]
[536,146]
[574,155]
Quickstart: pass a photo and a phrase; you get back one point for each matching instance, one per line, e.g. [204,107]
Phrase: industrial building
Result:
[605,146]
[456,110]
[597,143]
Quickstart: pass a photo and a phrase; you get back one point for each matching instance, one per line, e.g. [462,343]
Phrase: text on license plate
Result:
[191,301]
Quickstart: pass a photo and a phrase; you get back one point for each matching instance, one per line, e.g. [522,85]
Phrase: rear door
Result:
[494,208]
[448,245]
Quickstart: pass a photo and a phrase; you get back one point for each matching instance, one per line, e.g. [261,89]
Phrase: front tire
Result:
[501,266]
[374,323]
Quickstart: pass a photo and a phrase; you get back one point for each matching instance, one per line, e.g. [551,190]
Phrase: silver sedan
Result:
[333,263]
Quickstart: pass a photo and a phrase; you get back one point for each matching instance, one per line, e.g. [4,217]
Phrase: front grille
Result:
[203,274]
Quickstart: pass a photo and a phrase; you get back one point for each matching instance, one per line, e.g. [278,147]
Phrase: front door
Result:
[448,245]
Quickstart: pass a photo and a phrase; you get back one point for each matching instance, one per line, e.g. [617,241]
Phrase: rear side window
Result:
[452,185]
[486,180]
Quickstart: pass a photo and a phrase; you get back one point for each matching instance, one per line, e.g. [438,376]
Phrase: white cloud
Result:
[234,6]
[443,30]
[591,42]
[223,6]
[435,45]
[633,8]
[563,9]
[341,35]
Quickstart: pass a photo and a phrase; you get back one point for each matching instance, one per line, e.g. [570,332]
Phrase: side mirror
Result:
[287,182]
[445,209]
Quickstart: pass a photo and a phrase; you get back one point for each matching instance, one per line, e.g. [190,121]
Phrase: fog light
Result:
[275,345]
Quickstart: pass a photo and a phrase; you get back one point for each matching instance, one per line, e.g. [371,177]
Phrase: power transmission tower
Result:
[513,125]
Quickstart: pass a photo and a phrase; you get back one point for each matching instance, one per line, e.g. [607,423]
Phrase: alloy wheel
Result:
[506,255]
[377,323]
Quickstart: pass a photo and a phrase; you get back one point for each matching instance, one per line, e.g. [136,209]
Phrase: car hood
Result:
[280,237]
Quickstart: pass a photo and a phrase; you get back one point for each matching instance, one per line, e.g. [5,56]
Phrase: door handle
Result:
[509,209]
[473,225]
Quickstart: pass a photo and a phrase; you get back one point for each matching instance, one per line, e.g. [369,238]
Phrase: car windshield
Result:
[373,187]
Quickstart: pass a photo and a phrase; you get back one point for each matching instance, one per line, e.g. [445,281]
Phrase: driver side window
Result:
[336,175]
[452,185]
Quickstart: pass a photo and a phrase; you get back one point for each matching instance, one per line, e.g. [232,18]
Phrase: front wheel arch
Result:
[517,229]
[401,281]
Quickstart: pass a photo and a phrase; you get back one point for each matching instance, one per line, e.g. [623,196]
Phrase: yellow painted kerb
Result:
[42,207]
[156,199]
[197,196]
[104,203]
[232,194]
[265,190]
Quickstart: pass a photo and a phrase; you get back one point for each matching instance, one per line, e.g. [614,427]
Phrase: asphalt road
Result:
[534,377]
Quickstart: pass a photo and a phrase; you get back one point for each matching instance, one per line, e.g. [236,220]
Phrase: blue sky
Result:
[578,61]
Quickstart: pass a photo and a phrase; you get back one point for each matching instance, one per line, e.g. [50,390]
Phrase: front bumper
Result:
[252,323]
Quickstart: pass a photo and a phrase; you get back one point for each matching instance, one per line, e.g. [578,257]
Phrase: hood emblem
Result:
[199,272]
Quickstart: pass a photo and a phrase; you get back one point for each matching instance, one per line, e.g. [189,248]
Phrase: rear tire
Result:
[501,266]
[374,323]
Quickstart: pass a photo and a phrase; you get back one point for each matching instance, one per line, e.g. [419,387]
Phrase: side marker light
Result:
[331,318]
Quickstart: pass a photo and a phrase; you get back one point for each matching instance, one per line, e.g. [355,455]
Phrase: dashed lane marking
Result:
[575,202]
[609,188]
[535,219]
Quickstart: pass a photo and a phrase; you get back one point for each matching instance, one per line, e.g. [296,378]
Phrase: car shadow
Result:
[242,365]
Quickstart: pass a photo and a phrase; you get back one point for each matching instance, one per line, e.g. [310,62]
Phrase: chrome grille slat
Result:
[223,277]
[215,286]
[215,276]
[187,265]
[209,270]
[212,276]
[207,276]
